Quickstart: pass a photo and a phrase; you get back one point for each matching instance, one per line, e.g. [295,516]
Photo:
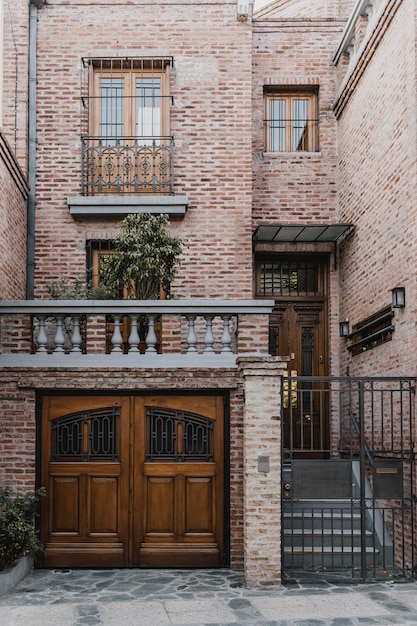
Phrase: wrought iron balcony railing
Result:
[149,333]
[130,165]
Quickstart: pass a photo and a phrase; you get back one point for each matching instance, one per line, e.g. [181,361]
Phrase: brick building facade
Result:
[256,134]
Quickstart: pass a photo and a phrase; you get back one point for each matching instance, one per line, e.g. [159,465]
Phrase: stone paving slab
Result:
[38,616]
[200,598]
[133,613]
[319,606]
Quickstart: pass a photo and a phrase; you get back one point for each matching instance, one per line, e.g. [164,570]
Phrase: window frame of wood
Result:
[289,125]
[280,270]
[129,72]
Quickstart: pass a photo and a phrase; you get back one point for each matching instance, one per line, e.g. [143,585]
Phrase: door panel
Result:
[85,468]
[65,498]
[133,481]
[199,506]
[159,505]
[103,504]
[183,482]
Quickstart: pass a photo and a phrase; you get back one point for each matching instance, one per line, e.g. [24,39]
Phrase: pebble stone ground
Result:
[200,598]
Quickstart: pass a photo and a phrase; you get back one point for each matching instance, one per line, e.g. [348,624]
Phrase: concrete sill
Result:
[120,206]
[11,577]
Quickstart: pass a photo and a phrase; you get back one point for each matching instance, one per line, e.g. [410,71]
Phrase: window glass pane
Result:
[277,118]
[148,107]
[111,124]
[300,117]
[290,279]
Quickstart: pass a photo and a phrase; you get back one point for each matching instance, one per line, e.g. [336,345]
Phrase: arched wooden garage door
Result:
[133,481]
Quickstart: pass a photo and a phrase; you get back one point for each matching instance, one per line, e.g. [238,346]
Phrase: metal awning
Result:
[301,233]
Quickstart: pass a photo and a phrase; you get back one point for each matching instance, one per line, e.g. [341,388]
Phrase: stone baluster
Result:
[42,339]
[191,336]
[117,338]
[151,337]
[209,338]
[59,334]
[76,334]
[134,335]
[226,338]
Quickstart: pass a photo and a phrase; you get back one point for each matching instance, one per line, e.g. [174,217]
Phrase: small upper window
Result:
[291,123]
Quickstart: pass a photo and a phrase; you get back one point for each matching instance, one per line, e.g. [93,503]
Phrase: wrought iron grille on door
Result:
[178,436]
[86,436]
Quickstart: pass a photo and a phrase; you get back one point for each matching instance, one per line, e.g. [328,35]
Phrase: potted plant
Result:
[19,540]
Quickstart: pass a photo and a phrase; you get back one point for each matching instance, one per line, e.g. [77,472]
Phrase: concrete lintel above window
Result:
[117,206]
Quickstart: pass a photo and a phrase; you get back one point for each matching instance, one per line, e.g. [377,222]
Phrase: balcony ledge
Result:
[119,361]
[206,333]
[119,206]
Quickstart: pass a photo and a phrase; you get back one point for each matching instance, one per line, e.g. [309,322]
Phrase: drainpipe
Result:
[31,207]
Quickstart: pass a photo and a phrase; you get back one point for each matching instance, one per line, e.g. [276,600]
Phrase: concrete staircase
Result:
[326,533]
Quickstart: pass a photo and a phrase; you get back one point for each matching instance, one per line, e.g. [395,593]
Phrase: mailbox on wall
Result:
[388,479]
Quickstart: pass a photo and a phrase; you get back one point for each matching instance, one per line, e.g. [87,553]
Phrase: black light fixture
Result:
[398,297]
[344,330]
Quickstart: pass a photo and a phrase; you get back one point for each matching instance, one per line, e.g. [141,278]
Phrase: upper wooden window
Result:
[126,142]
[130,99]
[291,123]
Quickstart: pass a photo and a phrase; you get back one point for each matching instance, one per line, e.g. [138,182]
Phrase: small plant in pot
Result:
[18,536]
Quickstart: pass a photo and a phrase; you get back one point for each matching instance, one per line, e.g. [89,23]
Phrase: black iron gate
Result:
[348,477]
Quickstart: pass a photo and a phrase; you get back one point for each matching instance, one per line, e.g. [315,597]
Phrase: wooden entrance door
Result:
[133,481]
[299,331]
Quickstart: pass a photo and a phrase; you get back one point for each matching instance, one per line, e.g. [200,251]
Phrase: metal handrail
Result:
[358,432]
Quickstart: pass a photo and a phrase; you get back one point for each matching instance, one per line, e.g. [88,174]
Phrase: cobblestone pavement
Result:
[199,598]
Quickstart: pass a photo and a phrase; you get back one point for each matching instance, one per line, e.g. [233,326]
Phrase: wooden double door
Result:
[133,481]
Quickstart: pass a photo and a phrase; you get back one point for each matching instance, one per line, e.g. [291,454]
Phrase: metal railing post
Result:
[362,460]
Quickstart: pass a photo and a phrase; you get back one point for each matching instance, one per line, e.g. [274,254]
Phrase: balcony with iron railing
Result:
[127,165]
[132,333]
[127,175]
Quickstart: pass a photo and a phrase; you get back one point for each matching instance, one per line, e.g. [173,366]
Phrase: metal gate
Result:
[348,477]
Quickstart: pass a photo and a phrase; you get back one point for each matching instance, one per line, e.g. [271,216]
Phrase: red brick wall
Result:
[295,187]
[211,86]
[292,188]
[377,188]
[15,76]
[13,197]
[309,9]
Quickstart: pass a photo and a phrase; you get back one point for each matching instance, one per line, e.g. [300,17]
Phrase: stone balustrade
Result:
[131,328]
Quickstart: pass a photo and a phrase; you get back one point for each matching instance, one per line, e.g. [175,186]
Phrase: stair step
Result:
[328,550]
[325,531]
[321,500]
[309,512]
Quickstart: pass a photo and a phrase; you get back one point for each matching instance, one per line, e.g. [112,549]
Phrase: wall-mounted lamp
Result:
[398,297]
[344,330]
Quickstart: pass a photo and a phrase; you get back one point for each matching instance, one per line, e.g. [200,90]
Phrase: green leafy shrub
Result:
[66,289]
[18,536]
[146,259]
